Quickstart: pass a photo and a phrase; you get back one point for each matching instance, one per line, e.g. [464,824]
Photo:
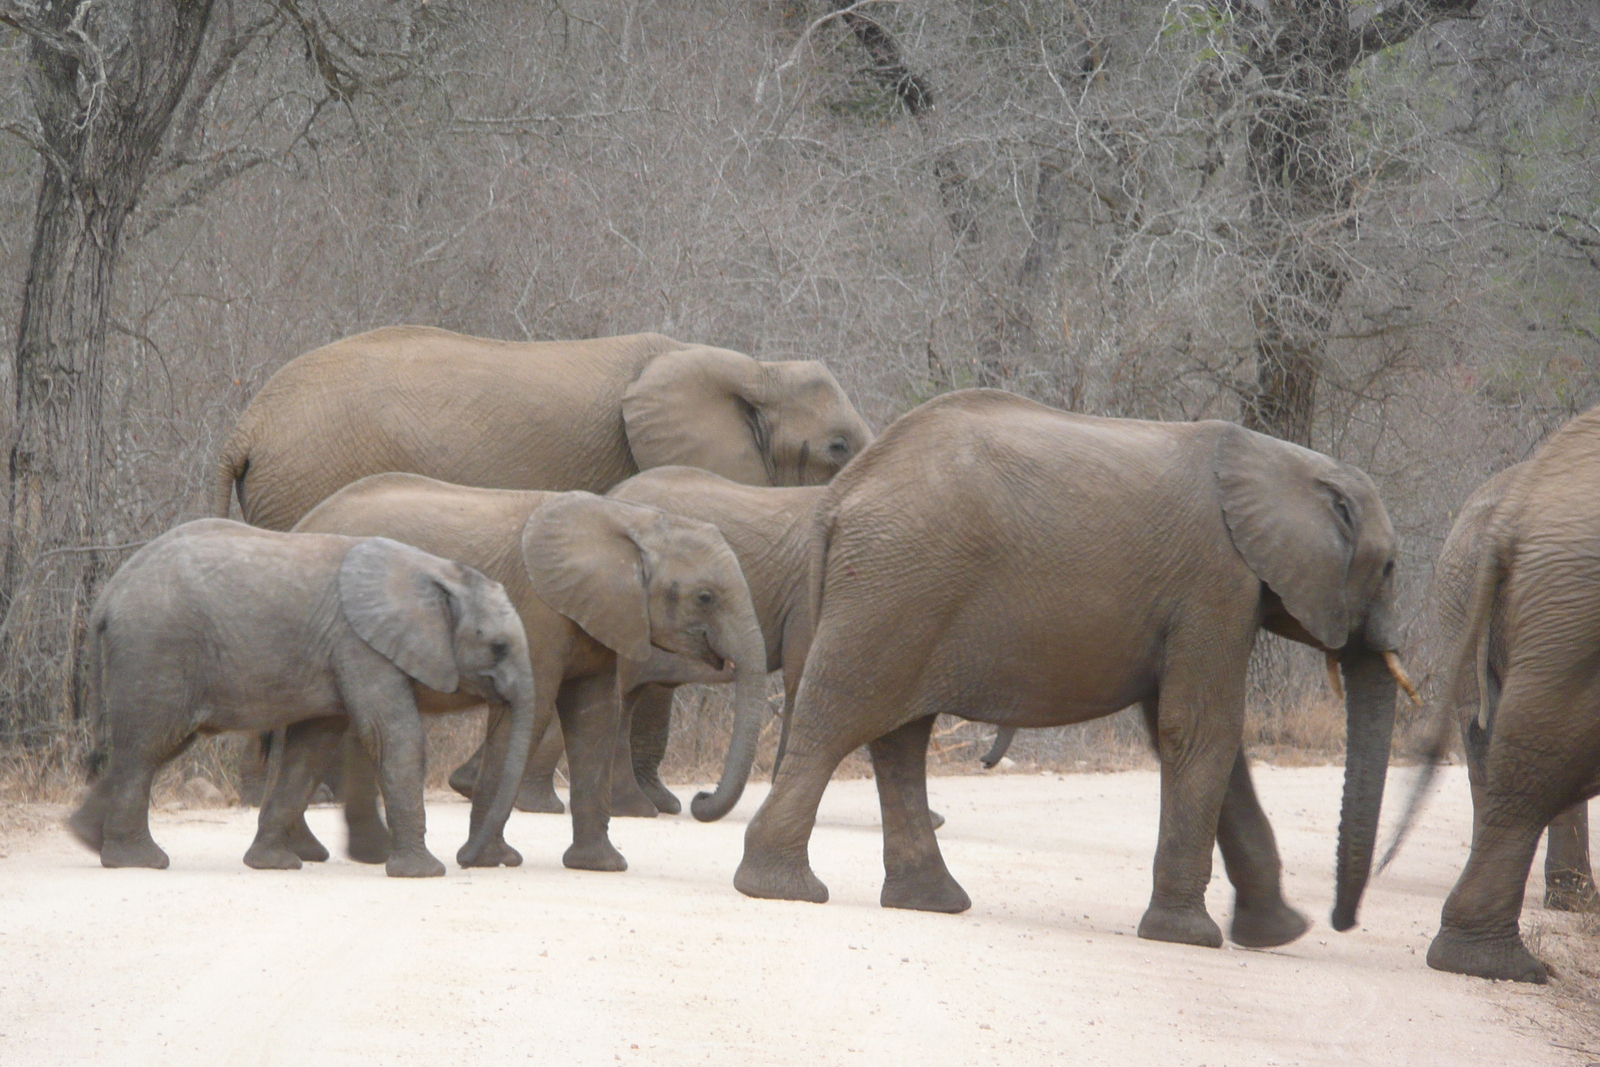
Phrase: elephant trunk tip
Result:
[709,807]
[1344,915]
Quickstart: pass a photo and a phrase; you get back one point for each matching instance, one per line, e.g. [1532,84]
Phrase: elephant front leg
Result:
[589,713]
[652,725]
[1261,919]
[627,798]
[496,852]
[1568,878]
[302,755]
[915,875]
[391,729]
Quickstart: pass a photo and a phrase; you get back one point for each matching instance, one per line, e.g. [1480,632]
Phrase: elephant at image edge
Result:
[550,415]
[594,581]
[990,552]
[217,626]
[1533,739]
[1568,878]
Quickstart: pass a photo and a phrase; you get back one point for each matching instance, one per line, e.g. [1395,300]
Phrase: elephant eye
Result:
[839,446]
[500,650]
[706,598]
[1388,568]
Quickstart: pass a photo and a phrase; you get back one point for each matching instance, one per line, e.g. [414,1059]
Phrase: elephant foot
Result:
[925,891]
[1181,926]
[594,856]
[88,827]
[769,881]
[368,843]
[1266,924]
[264,856]
[1571,894]
[632,804]
[664,799]
[938,820]
[464,778]
[494,854]
[304,843]
[144,853]
[419,863]
[538,795]
[1502,956]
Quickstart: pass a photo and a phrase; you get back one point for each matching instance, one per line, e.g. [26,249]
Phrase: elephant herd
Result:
[566,531]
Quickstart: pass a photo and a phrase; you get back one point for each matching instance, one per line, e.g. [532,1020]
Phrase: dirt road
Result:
[212,963]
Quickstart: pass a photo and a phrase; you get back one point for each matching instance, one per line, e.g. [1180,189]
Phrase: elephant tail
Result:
[821,539]
[1470,659]
[93,709]
[231,468]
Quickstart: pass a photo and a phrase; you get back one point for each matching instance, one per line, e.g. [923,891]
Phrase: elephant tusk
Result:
[1334,681]
[1392,661]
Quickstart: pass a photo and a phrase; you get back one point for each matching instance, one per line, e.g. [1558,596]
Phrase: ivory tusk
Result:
[1334,681]
[1392,661]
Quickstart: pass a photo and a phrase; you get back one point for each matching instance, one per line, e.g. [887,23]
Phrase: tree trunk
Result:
[104,83]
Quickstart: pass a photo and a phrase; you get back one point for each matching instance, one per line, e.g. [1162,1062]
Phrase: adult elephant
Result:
[601,586]
[1533,741]
[549,415]
[989,552]
[1568,877]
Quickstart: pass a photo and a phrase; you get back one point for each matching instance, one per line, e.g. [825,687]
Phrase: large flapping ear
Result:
[1293,526]
[584,561]
[700,407]
[398,601]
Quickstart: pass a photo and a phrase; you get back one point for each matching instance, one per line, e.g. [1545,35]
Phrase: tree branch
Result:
[1397,24]
[26,17]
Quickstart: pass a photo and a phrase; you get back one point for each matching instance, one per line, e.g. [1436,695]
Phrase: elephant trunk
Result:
[524,715]
[749,652]
[1369,715]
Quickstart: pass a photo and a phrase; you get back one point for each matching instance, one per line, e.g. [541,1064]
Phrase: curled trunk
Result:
[1369,715]
[750,713]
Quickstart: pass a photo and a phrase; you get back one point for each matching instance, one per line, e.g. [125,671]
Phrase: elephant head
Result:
[1317,536]
[752,422]
[449,627]
[635,579]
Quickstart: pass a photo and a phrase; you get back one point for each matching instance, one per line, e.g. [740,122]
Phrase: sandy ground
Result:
[212,963]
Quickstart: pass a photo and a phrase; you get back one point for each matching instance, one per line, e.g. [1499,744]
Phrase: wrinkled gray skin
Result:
[1568,879]
[550,415]
[594,581]
[989,552]
[1533,741]
[218,626]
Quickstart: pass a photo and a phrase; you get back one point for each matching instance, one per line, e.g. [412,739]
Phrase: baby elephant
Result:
[216,626]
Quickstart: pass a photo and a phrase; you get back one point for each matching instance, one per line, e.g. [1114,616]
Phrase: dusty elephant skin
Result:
[990,553]
[609,593]
[551,415]
[1526,683]
[217,626]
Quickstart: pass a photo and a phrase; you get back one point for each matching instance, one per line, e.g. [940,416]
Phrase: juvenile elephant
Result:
[987,552]
[1532,627]
[216,626]
[551,415]
[769,532]
[1568,879]
[594,580]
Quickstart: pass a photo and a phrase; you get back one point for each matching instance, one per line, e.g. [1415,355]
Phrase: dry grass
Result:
[1569,943]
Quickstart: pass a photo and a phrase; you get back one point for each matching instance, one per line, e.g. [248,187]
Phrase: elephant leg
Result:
[125,839]
[366,837]
[465,777]
[302,756]
[776,863]
[652,725]
[589,713]
[1261,919]
[1568,878]
[538,791]
[1199,721]
[1478,930]
[915,875]
[627,799]
[496,743]
[391,730]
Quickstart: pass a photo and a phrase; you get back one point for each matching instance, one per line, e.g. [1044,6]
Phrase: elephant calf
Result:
[216,626]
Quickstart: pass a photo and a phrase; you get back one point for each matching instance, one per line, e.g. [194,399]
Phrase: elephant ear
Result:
[584,561]
[1291,524]
[398,600]
[701,407]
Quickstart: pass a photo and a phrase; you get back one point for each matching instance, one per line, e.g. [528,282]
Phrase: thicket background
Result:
[1063,198]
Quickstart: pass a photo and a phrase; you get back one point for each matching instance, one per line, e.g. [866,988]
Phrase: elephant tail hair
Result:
[1470,659]
[93,708]
[231,468]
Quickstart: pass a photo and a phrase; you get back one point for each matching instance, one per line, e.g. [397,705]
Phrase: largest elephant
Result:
[989,552]
[550,415]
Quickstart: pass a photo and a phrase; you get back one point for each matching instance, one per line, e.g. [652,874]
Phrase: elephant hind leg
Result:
[304,756]
[1568,877]
[915,875]
[125,839]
